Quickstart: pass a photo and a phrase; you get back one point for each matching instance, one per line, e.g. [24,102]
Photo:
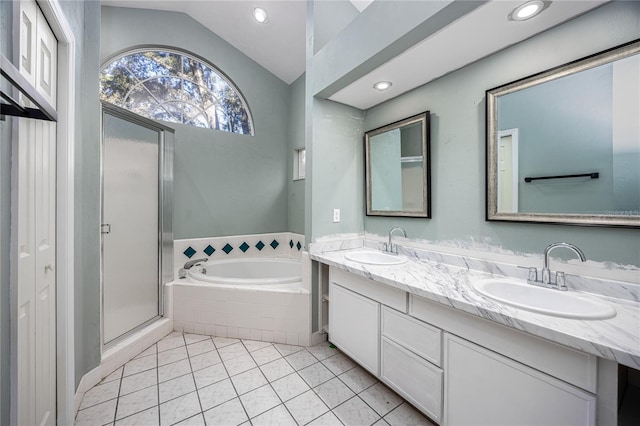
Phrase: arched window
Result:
[168,85]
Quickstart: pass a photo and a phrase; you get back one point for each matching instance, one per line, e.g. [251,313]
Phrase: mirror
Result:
[563,146]
[397,168]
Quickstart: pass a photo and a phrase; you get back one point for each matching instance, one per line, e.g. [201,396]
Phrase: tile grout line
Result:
[357,395]
[304,381]
[227,378]
[234,386]
[316,393]
[115,412]
[262,374]
[158,383]
[271,386]
[193,377]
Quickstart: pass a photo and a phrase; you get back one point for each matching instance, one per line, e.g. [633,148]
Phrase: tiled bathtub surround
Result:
[246,314]
[282,244]
[192,379]
[448,279]
[280,314]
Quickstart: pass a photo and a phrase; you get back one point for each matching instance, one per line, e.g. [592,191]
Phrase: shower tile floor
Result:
[192,379]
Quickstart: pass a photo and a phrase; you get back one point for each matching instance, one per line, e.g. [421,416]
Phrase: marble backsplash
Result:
[627,288]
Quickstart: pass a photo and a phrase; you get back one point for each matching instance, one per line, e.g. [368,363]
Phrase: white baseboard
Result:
[118,355]
[318,337]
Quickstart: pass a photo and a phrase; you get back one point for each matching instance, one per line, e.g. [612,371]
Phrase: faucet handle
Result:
[533,274]
[560,281]
[385,247]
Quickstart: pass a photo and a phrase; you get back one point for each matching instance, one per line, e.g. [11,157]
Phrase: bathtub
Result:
[269,274]
[266,299]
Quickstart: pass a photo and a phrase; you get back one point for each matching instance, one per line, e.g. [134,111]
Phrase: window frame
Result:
[299,163]
[191,55]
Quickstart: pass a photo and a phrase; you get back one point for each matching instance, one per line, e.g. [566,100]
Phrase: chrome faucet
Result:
[182,272]
[546,280]
[389,247]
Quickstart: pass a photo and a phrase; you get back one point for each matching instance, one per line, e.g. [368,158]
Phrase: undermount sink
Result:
[566,304]
[375,258]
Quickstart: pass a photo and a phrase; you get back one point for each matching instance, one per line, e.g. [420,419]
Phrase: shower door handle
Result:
[105,228]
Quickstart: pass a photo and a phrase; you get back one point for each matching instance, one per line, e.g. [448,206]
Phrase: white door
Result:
[508,171]
[33,220]
[130,214]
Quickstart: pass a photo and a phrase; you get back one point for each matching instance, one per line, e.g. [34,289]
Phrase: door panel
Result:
[28,24]
[47,59]
[33,220]
[130,206]
[45,282]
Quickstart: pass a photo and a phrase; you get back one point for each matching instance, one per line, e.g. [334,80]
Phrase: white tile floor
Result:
[191,379]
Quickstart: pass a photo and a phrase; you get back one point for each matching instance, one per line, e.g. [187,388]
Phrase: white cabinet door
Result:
[354,326]
[484,388]
[417,380]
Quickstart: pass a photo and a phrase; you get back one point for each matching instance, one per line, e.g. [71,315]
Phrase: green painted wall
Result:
[84,19]
[225,184]
[296,188]
[338,168]
[551,129]
[456,102]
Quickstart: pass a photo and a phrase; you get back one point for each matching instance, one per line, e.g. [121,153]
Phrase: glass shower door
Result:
[132,161]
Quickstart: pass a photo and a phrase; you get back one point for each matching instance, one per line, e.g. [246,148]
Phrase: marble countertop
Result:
[616,339]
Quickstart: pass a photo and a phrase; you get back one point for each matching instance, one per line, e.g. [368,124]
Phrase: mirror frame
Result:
[491,180]
[424,119]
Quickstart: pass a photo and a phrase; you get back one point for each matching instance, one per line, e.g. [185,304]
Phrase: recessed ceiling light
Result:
[382,85]
[260,15]
[527,10]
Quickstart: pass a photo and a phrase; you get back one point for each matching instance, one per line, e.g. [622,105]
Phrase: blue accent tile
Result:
[291,243]
[209,250]
[274,244]
[189,252]
[227,248]
[299,245]
[244,247]
[260,245]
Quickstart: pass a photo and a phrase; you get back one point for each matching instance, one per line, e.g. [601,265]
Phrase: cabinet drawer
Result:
[567,364]
[417,380]
[382,293]
[419,337]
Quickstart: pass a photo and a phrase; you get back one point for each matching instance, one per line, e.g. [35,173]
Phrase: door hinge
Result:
[105,228]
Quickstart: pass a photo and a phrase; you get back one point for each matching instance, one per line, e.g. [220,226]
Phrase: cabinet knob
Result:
[48,267]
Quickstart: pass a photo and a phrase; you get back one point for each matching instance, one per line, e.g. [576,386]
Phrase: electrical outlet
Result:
[336,215]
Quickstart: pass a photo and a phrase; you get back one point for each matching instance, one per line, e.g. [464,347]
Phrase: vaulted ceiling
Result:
[279,45]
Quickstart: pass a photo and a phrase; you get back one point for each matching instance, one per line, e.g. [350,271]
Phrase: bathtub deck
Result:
[199,379]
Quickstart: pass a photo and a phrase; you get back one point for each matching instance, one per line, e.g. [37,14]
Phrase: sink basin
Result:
[547,301]
[375,258]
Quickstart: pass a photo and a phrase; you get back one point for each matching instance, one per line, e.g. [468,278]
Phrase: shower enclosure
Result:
[136,225]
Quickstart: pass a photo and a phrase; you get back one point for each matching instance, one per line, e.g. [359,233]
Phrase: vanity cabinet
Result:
[485,388]
[457,368]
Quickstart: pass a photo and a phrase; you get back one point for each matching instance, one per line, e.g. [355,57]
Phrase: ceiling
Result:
[279,46]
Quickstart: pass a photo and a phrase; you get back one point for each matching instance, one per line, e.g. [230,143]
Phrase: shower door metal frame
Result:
[165,210]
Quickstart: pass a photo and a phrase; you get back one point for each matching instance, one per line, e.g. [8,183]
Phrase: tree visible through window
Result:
[172,86]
